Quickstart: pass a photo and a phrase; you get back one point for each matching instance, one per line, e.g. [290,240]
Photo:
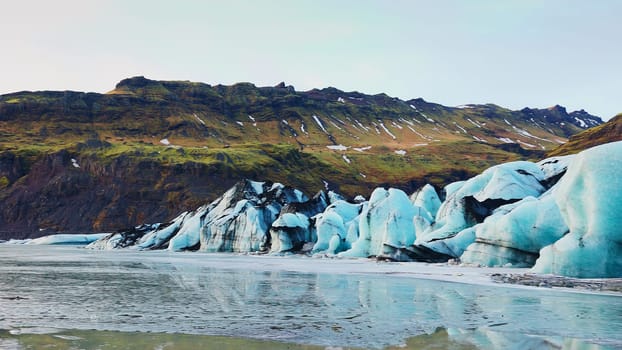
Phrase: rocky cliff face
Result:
[61,193]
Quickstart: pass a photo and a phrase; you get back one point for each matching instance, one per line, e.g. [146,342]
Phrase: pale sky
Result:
[514,53]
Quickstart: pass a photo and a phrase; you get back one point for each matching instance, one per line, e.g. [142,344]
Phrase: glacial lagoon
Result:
[70,297]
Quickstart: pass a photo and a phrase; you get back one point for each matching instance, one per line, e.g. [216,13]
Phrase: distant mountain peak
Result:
[558,109]
[134,82]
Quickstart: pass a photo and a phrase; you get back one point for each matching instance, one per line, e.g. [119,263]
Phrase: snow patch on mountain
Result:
[387,130]
[338,147]
[581,122]
[199,119]
[427,118]
[319,123]
[474,123]
[460,127]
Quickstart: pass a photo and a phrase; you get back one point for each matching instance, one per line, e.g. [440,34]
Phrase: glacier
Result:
[241,220]
[589,197]
[557,216]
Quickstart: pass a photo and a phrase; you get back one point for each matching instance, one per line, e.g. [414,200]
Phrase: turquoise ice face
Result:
[590,200]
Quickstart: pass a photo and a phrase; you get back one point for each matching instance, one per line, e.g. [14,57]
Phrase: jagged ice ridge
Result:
[559,216]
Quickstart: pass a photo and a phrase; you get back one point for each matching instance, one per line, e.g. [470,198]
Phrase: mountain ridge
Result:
[147,148]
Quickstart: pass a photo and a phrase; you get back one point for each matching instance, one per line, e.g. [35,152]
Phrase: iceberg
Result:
[238,221]
[555,167]
[187,230]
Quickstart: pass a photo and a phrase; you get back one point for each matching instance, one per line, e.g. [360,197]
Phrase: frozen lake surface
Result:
[348,303]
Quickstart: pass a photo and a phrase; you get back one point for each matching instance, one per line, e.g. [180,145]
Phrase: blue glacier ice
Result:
[515,237]
[238,221]
[470,202]
[290,232]
[333,226]
[589,197]
[427,203]
[555,167]
[427,198]
[384,225]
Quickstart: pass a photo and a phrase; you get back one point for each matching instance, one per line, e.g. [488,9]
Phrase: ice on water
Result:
[79,239]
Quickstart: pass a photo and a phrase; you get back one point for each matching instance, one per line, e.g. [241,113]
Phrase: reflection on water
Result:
[105,340]
[81,290]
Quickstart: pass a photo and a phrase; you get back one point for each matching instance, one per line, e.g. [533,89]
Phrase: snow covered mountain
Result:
[559,216]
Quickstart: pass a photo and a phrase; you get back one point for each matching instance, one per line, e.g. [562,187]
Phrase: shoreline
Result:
[297,298]
[606,285]
[508,277]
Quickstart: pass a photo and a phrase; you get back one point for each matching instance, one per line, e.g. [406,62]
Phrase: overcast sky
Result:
[514,53]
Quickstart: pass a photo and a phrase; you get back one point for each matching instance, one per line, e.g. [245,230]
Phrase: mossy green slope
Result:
[610,131]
